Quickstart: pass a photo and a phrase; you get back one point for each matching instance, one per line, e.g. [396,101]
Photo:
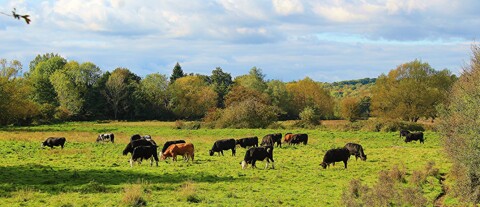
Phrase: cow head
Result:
[211,152]
[244,164]
[127,149]
[364,157]
[99,138]
[44,144]
[324,165]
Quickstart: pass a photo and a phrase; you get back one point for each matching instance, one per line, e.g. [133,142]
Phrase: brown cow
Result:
[184,149]
[288,138]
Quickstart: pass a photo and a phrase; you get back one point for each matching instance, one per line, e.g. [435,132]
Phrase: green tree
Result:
[459,127]
[40,58]
[254,80]
[176,73]
[411,91]
[154,89]
[221,82]
[119,89]
[308,93]
[15,105]
[191,97]
[73,85]
[277,90]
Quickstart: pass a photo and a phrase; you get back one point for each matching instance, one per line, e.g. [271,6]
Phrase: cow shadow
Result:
[54,181]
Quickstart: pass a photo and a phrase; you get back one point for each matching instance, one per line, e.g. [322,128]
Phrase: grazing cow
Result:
[277,138]
[357,150]
[168,143]
[299,138]
[267,140]
[404,132]
[135,137]
[144,152]
[258,153]
[335,155]
[106,137]
[224,144]
[141,142]
[185,149]
[414,137]
[54,141]
[288,138]
[247,142]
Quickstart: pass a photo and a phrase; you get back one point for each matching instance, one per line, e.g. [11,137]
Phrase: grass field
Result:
[86,173]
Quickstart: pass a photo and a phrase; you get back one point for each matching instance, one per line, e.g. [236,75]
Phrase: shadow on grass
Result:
[53,181]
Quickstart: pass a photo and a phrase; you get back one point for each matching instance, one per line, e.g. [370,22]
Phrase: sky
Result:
[326,40]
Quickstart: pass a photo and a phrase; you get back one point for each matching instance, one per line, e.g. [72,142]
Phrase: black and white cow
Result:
[335,155]
[54,141]
[144,152]
[223,144]
[106,138]
[141,142]
[258,153]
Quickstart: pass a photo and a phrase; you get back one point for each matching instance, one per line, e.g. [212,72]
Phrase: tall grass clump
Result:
[460,128]
[133,194]
[188,191]
[391,189]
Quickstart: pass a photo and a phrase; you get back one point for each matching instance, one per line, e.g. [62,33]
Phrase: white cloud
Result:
[288,7]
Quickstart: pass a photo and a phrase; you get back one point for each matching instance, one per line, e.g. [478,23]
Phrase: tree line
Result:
[54,89]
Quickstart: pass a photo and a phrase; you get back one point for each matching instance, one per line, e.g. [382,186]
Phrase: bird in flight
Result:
[18,16]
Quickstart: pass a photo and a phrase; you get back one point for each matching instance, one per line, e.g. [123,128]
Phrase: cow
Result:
[106,137]
[414,137]
[357,150]
[185,149]
[404,132]
[335,155]
[268,140]
[141,142]
[224,144]
[247,142]
[258,153]
[277,138]
[144,152]
[288,138]
[168,143]
[299,138]
[135,137]
[54,141]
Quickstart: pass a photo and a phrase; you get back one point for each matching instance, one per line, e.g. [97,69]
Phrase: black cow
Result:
[141,142]
[258,153]
[106,137]
[335,155]
[224,144]
[168,143]
[277,138]
[357,150]
[54,141]
[144,152]
[299,138]
[247,142]
[404,132]
[135,137]
[414,137]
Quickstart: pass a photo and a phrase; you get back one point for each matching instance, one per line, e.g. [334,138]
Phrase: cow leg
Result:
[266,166]
[233,152]
[345,163]
[221,151]
[151,161]
[253,163]
[131,162]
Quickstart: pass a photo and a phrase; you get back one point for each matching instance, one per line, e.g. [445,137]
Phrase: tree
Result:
[154,89]
[15,106]
[411,91]
[73,85]
[308,93]
[176,73]
[350,108]
[239,93]
[119,90]
[254,80]
[40,58]
[44,93]
[459,127]
[277,90]
[221,83]
[191,97]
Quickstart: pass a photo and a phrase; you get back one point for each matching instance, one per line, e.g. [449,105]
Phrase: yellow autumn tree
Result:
[308,93]
[191,97]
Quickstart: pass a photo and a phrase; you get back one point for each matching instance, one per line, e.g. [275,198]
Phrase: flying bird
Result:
[18,16]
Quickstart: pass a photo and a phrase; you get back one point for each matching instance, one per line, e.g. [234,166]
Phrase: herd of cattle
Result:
[144,148]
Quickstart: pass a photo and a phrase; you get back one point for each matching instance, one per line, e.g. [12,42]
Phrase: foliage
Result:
[239,94]
[350,109]
[310,116]
[411,91]
[176,73]
[153,90]
[277,91]
[15,105]
[191,97]
[221,83]
[254,80]
[43,91]
[119,90]
[308,93]
[460,127]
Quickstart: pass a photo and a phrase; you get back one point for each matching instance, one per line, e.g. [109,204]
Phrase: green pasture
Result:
[86,173]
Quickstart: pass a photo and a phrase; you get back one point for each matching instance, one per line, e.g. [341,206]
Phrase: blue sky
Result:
[326,40]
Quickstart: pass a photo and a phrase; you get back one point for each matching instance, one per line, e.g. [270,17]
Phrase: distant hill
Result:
[351,88]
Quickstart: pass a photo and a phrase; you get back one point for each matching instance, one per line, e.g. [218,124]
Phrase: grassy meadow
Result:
[86,173]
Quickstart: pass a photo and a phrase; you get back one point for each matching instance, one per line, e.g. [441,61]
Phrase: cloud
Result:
[288,7]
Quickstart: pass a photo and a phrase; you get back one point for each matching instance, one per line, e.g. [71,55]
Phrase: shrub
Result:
[310,116]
